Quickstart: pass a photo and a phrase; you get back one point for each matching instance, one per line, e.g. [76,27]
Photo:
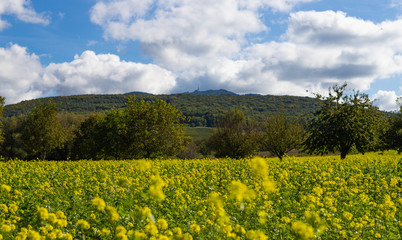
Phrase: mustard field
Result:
[297,198]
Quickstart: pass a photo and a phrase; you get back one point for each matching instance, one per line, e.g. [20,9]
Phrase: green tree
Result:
[343,122]
[143,129]
[1,116]
[392,137]
[281,135]
[153,129]
[86,144]
[42,131]
[234,137]
[13,146]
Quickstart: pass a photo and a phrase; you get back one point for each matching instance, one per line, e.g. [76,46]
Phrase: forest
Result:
[154,126]
[202,107]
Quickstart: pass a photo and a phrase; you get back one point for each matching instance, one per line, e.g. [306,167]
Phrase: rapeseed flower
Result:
[99,204]
[82,224]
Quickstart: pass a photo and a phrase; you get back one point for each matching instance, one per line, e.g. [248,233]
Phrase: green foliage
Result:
[392,137]
[234,137]
[141,130]
[281,135]
[153,129]
[13,146]
[203,110]
[342,122]
[1,115]
[42,131]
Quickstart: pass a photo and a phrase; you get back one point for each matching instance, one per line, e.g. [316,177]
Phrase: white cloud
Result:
[386,100]
[208,43]
[20,74]
[23,77]
[23,10]
[90,73]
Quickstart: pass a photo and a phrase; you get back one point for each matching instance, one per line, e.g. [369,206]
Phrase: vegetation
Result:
[203,110]
[295,198]
[234,136]
[1,115]
[392,136]
[281,135]
[141,130]
[343,122]
[42,130]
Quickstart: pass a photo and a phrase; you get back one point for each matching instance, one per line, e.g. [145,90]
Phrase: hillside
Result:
[202,107]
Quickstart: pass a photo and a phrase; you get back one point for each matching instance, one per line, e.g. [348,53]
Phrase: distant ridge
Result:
[212,92]
[203,107]
[138,93]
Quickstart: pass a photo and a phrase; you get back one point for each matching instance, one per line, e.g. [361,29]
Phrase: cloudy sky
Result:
[280,47]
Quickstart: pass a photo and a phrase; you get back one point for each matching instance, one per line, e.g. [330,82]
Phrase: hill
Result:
[202,106]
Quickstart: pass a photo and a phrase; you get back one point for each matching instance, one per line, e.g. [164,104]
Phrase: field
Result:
[304,198]
[199,133]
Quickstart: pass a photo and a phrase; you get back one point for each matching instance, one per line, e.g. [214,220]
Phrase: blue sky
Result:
[280,47]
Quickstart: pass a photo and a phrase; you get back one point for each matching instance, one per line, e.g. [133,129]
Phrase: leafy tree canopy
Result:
[343,121]
[281,135]
[42,131]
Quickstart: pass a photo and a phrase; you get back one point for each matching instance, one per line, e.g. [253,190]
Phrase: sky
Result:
[276,47]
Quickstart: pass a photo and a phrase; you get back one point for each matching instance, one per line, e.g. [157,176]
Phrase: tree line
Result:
[343,123]
[203,110]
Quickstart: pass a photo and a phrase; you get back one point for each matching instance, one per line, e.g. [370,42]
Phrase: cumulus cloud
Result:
[20,74]
[386,100]
[91,73]
[209,43]
[23,77]
[23,10]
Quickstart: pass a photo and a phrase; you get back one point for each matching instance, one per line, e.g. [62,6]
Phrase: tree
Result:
[281,135]
[234,137]
[13,146]
[153,129]
[392,137]
[42,131]
[1,115]
[142,129]
[342,122]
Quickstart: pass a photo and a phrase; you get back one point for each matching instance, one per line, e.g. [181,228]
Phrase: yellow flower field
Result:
[303,198]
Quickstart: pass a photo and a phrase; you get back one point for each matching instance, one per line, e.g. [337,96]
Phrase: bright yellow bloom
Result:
[43,213]
[302,230]
[82,224]
[195,228]
[99,204]
[5,188]
[240,192]
[162,224]
[256,235]
[113,214]
[347,215]
[5,228]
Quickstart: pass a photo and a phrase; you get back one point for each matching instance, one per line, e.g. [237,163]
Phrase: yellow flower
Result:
[162,224]
[347,215]
[43,213]
[239,191]
[5,188]
[113,214]
[195,228]
[302,230]
[5,228]
[3,208]
[151,229]
[99,204]
[155,190]
[256,235]
[82,224]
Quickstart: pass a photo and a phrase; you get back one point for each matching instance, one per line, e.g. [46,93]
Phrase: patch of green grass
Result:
[199,133]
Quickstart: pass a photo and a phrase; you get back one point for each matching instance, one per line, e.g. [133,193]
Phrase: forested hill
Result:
[202,107]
